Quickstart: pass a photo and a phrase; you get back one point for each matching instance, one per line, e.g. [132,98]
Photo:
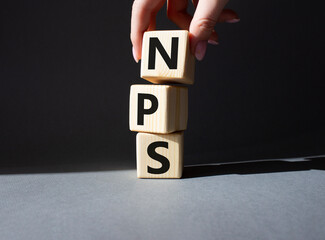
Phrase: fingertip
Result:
[136,40]
[228,16]
[235,20]
[136,47]
[200,50]
[135,55]
[213,42]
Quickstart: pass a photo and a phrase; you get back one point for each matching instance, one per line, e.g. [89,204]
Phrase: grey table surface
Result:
[275,199]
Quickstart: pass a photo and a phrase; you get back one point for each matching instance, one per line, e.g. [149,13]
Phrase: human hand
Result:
[200,26]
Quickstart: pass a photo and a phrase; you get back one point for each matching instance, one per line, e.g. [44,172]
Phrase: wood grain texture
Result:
[171,114]
[174,154]
[162,73]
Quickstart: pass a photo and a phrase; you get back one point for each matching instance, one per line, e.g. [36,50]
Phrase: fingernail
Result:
[200,50]
[213,42]
[136,59]
[235,20]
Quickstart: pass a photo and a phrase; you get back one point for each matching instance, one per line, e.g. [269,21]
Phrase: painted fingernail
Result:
[213,42]
[200,50]
[235,20]
[136,59]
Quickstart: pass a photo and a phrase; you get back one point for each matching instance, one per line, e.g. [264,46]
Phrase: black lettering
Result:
[141,110]
[171,61]
[154,155]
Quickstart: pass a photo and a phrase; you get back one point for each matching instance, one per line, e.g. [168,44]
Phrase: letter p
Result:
[141,110]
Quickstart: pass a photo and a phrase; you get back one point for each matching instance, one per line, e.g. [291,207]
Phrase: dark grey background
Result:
[67,158]
[66,68]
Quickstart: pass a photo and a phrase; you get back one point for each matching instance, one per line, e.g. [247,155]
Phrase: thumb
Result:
[205,18]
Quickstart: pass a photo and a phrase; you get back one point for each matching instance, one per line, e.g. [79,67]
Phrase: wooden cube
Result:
[158,108]
[166,57]
[160,155]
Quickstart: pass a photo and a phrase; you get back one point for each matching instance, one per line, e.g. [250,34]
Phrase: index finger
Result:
[143,13]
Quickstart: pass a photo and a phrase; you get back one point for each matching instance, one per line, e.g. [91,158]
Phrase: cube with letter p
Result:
[158,108]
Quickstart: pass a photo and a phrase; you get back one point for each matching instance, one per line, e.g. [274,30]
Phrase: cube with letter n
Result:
[166,57]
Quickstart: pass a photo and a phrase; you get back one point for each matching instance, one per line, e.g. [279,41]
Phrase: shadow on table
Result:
[256,167]
[203,170]
[75,166]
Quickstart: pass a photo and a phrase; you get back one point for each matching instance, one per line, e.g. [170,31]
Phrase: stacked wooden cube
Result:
[159,111]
